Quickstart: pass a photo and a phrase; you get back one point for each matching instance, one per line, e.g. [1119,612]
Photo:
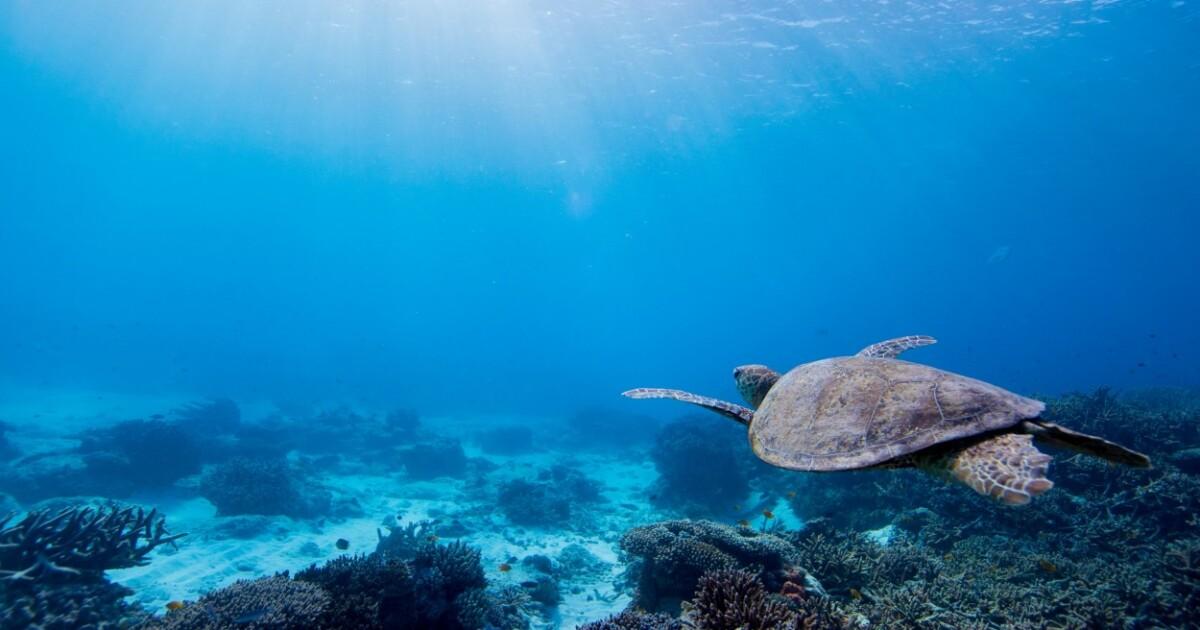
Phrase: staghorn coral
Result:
[270,602]
[734,599]
[405,541]
[79,542]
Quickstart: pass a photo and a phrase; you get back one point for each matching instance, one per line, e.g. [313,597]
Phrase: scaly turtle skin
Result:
[873,410]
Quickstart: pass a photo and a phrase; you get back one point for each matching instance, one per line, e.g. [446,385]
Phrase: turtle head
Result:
[754,381]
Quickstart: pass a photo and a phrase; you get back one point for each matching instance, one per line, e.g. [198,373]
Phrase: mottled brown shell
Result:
[854,412]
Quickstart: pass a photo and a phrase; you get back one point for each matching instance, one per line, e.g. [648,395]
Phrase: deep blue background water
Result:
[531,206]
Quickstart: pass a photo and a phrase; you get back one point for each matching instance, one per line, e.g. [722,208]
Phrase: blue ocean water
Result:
[523,208]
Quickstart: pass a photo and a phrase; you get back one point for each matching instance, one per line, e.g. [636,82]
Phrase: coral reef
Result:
[269,602]
[262,486]
[343,430]
[139,454]
[52,565]
[735,599]
[404,541]
[666,560]
[96,604]
[430,460]
[575,561]
[635,620]
[114,461]
[550,501]
[79,541]
[372,591]
[713,488]
[534,504]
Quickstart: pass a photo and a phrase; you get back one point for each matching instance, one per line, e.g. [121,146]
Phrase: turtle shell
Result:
[855,412]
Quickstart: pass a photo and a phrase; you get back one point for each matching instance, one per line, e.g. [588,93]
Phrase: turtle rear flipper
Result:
[1006,467]
[727,409]
[1063,437]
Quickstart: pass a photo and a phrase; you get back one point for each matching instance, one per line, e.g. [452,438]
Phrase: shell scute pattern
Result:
[855,412]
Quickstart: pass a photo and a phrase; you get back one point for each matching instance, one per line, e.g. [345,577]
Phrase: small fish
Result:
[768,514]
[505,567]
[174,604]
[1047,566]
[159,416]
[737,508]
[855,594]
[743,523]
[792,494]
[432,538]
[342,544]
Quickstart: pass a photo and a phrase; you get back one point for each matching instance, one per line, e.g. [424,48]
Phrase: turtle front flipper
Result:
[727,409]
[892,348]
[1006,467]
[1093,445]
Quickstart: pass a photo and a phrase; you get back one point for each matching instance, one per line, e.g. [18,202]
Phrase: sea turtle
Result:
[873,410]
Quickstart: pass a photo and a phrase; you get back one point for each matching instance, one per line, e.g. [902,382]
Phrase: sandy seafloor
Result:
[207,558]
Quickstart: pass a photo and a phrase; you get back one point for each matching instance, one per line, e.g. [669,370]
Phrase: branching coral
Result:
[636,620]
[271,602]
[366,592]
[671,556]
[736,600]
[79,541]
[97,604]
[404,541]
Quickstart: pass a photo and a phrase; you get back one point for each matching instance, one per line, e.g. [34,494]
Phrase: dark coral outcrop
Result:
[700,490]
[666,560]
[263,486]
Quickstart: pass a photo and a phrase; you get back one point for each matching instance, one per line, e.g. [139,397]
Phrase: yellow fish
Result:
[174,605]
[768,514]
